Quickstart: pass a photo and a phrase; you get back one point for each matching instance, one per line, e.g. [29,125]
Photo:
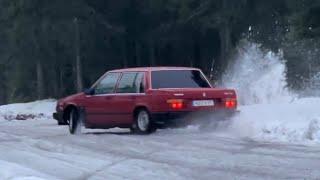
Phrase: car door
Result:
[99,106]
[130,89]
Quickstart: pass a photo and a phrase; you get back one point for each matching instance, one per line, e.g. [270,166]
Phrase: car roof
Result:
[153,69]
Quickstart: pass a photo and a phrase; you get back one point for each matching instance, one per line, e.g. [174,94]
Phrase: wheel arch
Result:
[67,110]
[138,108]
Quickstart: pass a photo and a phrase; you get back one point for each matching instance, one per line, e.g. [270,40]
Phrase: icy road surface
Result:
[39,149]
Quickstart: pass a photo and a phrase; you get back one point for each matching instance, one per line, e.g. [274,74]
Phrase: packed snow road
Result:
[43,150]
[39,149]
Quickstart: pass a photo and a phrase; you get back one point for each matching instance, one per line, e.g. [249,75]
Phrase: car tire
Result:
[142,123]
[74,122]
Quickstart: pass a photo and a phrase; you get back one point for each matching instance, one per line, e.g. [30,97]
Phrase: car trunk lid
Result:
[203,97]
[201,93]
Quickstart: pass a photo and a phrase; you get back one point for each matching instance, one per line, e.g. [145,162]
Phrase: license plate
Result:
[201,103]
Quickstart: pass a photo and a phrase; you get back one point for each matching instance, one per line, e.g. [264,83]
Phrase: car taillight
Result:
[175,103]
[230,103]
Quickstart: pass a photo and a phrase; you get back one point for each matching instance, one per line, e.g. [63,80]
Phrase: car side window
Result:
[107,84]
[131,82]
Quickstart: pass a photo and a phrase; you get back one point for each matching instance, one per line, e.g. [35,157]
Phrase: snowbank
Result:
[24,111]
[297,122]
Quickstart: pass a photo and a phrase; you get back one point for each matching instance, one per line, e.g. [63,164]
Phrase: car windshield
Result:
[178,79]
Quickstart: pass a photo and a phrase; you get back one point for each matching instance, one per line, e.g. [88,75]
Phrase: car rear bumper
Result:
[185,118]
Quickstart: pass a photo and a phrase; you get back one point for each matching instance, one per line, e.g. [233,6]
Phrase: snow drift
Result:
[32,110]
[297,122]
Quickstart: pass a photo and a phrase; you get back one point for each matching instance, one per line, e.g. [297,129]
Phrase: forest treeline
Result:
[52,48]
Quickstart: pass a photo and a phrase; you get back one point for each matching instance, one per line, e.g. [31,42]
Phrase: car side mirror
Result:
[89,91]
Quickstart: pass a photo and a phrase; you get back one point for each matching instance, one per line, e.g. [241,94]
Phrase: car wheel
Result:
[143,123]
[75,123]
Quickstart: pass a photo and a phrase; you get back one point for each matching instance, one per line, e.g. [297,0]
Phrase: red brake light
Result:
[230,103]
[175,103]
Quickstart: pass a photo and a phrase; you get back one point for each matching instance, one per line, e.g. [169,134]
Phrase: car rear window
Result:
[178,79]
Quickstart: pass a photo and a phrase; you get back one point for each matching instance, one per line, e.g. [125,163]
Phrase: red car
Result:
[143,99]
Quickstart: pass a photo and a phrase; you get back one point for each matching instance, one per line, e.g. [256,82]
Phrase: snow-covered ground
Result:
[23,111]
[244,149]
[276,136]
[295,122]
